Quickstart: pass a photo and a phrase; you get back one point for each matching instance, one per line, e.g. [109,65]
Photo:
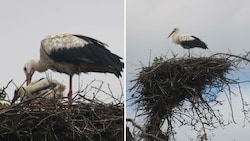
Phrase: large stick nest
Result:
[165,85]
[94,121]
[181,90]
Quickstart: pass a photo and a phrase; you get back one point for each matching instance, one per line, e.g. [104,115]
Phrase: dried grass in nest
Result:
[80,121]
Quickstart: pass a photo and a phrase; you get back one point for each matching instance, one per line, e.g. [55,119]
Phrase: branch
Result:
[142,130]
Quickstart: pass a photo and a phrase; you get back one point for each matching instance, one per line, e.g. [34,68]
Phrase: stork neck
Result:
[174,34]
[38,66]
[175,38]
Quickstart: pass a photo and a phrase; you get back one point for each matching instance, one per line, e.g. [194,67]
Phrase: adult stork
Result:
[187,41]
[72,54]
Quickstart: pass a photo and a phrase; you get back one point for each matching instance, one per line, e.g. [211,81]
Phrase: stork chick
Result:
[43,88]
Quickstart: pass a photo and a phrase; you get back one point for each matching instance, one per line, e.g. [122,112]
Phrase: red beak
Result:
[28,79]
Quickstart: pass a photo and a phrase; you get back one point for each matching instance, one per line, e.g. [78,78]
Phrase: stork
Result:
[187,41]
[42,88]
[72,54]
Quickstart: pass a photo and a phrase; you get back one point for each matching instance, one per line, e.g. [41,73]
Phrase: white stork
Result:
[43,88]
[72,54]
[187,41]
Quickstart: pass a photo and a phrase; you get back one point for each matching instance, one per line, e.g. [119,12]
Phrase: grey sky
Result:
[25,23]
[224,25]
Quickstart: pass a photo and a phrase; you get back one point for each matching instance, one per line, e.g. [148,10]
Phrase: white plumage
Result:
[187,41]
[40,89]
[72,54]
[58,41]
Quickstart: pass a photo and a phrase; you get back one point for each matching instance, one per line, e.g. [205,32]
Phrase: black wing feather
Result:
[95,52]
[194,43]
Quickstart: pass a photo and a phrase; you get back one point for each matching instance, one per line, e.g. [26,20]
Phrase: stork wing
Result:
[192,41]
[78,49]
[83,49]
[37,86]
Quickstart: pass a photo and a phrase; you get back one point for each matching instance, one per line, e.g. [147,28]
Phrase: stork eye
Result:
[25,69]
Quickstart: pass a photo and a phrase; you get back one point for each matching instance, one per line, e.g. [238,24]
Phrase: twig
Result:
[142,130]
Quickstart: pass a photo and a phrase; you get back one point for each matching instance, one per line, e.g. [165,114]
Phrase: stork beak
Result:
[171,33]
[28,78]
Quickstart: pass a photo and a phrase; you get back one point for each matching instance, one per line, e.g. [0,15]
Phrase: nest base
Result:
[82,121]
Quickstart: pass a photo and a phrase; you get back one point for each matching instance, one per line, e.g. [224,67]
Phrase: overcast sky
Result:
[224,25]
[25,23]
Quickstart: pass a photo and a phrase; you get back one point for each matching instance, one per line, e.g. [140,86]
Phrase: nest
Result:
[79,121]
[180,91]
[168,83]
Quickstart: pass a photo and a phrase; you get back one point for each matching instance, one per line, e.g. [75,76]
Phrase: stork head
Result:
[19,92]
[29,70]
[176,30]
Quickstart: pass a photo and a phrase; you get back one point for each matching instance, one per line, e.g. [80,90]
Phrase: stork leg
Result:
[70,89]
[189,53]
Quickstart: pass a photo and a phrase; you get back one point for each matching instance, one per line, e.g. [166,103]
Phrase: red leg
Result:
[70,89]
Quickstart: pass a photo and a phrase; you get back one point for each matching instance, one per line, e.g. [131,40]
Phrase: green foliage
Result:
[4,105]
[158,60]
[2,94]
